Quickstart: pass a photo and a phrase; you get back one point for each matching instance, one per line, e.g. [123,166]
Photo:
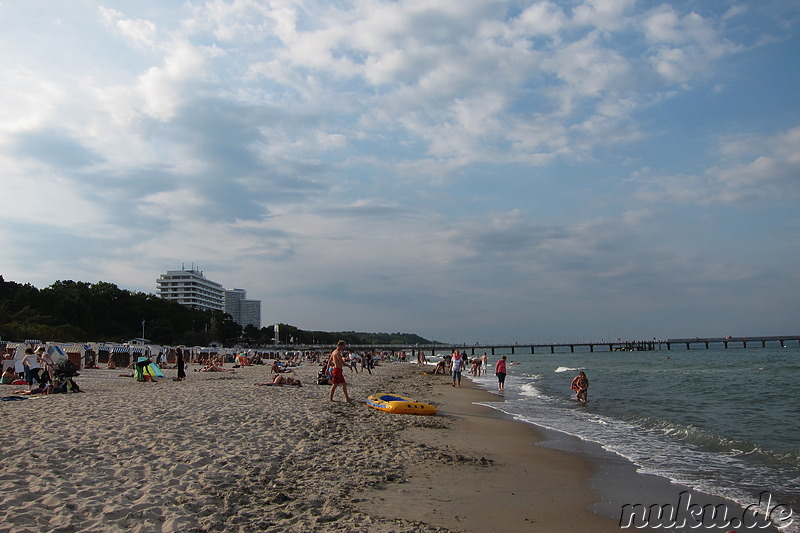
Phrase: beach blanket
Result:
[12,398]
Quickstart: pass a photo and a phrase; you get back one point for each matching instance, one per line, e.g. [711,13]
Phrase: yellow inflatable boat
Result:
[397,404]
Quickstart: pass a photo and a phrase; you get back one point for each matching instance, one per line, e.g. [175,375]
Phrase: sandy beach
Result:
[217,453]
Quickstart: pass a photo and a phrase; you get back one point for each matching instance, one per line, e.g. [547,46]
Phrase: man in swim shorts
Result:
[337,374]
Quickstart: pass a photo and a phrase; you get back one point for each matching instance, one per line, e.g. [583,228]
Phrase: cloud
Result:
[603,14]
[140,32]
[452,158]
[753,168]
[683,45]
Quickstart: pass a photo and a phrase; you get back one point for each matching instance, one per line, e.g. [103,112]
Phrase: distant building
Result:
[192,289]
[244,312]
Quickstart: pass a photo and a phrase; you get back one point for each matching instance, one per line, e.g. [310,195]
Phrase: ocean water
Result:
[723,421]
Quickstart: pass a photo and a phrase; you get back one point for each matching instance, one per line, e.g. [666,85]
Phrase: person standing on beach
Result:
[354,362]
[46,360]
[31,363]
[181,365]
[458,361]
[337,373]
[484,364]
[500,371]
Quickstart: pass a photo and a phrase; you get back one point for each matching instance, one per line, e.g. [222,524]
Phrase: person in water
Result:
[580,384]
[500,372]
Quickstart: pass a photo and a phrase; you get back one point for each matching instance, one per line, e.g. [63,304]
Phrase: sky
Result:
[470,171]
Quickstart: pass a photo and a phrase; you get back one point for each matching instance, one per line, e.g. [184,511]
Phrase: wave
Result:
[530,390]
[705,440]
[567,369]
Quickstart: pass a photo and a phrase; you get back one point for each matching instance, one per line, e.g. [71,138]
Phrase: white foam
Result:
[566,369]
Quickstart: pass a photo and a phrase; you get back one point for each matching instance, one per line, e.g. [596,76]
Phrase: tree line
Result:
[76,311]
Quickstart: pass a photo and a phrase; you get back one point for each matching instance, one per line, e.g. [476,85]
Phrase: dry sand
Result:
[216,453]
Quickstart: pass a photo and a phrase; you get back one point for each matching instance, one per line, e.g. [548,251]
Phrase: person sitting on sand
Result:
[276,368]
[9,376]
[213,367]
[324,375]
[111,365]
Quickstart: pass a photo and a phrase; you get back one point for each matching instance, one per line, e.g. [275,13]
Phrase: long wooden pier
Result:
[592,346]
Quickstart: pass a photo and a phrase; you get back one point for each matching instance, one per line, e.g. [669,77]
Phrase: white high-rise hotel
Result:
[193,289]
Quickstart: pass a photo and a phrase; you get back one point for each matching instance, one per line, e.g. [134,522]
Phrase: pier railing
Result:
[600,346]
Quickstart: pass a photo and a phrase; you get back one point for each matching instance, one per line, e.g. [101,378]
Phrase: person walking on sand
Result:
[458,361]
[500,371]
[337,374]
[31,363]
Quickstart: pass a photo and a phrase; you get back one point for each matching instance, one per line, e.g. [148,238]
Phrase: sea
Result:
[722,421]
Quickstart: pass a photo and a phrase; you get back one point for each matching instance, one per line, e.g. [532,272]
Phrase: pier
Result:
[781,341]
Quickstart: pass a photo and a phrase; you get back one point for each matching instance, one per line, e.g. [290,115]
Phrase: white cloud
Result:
[603,14]
[29,100]
[163,88]
[758,168]
[140,32]
[542,18]
[413,150]
[684,45]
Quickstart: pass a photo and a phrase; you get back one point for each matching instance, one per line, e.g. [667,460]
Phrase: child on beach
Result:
[9,376]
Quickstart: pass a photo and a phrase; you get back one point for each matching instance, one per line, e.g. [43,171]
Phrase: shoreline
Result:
[490,475]
[614,481]
[216,453]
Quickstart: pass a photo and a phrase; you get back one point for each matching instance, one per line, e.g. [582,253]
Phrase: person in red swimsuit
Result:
[337,374]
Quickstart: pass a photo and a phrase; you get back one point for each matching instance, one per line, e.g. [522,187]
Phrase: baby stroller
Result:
[63,374]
